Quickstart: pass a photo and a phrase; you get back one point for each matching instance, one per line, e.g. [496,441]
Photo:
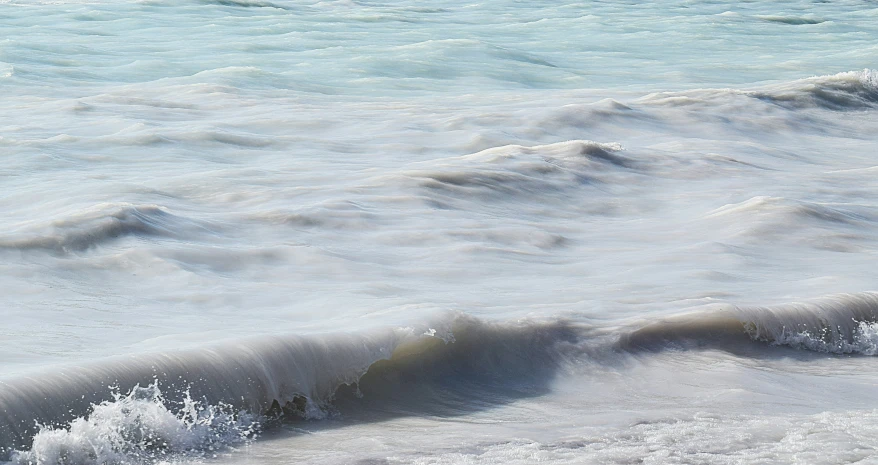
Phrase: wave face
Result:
[144,408]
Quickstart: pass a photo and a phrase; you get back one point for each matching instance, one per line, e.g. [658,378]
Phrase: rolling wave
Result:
[512,171]
[853,90]
[142,408]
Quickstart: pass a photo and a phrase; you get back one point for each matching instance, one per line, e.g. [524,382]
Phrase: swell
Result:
[838,324]
[277,376]
[854,90]
[776,221]
[246,4]
[99,225]
[790,20]
[791,209]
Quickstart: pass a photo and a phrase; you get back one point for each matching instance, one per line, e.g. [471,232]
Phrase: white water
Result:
[580,232]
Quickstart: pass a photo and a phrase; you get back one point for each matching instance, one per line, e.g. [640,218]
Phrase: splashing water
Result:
[139,427]
[864,340]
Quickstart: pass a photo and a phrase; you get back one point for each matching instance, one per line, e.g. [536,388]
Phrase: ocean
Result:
[397,232]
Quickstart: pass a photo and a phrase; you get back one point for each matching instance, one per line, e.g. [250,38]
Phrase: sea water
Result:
[394,232]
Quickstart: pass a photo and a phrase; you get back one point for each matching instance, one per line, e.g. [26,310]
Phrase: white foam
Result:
[140,428]
[864,340]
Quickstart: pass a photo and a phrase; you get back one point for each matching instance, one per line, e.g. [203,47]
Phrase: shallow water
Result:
[382,232]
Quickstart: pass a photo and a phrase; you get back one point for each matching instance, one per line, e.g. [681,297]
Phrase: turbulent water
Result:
[398,232]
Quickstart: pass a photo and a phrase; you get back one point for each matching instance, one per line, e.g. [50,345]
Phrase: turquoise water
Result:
[388,232]
[395,48]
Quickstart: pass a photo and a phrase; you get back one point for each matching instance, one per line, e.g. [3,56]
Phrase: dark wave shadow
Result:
[478,371]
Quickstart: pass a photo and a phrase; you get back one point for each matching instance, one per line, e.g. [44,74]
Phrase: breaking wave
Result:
[192,404]
[838,324]
[219,396]
[140,427]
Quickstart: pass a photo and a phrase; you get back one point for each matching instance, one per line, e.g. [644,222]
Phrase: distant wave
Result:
[791,20]
[781,220]
[514,171]
[796,210]
[852,90]
[246,4]
[96,226]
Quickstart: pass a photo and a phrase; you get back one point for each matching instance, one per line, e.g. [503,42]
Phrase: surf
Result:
[189,403]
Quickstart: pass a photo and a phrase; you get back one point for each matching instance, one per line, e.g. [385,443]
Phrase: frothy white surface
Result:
[139,428]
